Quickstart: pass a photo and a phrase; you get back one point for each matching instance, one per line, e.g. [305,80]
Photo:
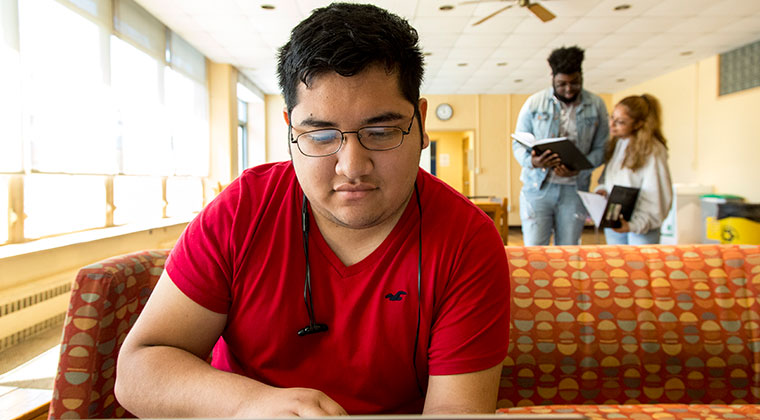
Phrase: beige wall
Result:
[277,130]
[223,122]
[713,139]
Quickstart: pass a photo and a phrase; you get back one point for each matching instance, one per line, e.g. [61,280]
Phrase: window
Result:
[144,142]
[57,204]
[137,198]
[251,124]
[4,206]
[11,150]
[242,136]
[103,118]
[66,102]
[184,196]
[187,107]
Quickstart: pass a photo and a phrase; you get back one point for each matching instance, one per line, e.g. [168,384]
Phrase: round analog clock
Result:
[444,112]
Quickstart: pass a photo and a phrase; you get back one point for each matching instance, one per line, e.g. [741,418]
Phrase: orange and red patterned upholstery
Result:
[105,301]
[634,331]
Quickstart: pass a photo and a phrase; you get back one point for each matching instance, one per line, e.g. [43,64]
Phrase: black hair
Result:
[566,60]
[347,38]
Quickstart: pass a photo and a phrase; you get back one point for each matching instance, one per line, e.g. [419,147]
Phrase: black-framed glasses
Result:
[328,141]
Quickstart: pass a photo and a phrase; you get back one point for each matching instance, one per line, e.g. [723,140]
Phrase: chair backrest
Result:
[105,301]
[630,324]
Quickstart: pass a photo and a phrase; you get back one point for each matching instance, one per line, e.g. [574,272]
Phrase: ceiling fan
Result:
[540,11]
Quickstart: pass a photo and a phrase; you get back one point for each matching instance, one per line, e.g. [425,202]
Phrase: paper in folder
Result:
[605,212]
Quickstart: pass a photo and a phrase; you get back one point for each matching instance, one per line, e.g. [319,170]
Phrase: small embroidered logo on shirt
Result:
[398,296]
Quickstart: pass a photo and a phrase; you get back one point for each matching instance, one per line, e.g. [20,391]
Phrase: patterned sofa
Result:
[650,332]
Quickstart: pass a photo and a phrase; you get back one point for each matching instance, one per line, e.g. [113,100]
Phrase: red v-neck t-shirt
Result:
[243,256]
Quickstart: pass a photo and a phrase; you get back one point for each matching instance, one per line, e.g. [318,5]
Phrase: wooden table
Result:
[498,212]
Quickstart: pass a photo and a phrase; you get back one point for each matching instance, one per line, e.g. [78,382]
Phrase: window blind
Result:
[185,59]
[135,25]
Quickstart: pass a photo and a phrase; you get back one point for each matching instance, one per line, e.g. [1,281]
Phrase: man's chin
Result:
[567,100]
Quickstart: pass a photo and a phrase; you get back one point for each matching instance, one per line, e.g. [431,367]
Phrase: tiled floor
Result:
[33,362]
[589,237]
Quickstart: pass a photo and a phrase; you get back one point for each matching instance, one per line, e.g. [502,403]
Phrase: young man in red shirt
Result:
[346,281]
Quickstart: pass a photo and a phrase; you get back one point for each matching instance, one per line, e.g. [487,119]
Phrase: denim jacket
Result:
[540,115]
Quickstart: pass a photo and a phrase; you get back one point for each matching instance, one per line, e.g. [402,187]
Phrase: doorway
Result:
[453,157]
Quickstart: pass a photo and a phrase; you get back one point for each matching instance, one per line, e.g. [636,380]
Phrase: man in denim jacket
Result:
[549,201]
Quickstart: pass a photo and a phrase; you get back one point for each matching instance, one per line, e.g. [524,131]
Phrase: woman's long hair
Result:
[645,112]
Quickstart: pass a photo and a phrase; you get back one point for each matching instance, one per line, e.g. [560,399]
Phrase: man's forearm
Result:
[160,381]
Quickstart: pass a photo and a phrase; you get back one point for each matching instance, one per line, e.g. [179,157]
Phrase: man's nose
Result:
[353,159]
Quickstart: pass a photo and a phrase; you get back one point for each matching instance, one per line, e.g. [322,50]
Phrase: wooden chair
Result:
[105,301]
[497,211]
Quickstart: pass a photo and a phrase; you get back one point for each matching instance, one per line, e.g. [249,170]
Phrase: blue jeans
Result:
[555,208]
[630,238]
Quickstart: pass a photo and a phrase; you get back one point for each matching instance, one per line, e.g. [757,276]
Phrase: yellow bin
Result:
[737,223]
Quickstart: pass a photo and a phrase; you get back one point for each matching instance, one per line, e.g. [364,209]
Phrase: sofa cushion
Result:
[647,411]
[633,325]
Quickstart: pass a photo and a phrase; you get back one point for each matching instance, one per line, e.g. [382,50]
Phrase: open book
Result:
[570,156]
[605,212]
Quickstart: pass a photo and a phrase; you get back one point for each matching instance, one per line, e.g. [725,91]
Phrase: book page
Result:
[524,138]
[595,205]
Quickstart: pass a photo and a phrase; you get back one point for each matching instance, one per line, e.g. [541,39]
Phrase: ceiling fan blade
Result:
[491,15]
[541,12]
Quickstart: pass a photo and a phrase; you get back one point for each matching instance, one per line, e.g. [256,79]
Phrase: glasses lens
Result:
[319,142]
[381,138]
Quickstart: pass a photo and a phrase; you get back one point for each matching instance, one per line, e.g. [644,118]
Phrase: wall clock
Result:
[444,112]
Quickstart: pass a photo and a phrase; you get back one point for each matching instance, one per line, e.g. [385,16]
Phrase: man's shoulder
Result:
[591,98]
[541,96]
[446,203]
[268,176]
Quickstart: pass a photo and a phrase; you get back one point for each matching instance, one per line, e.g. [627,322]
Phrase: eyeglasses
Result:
[326,142]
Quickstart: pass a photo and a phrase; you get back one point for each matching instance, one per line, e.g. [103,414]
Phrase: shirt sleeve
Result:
[471,332]
[524,124]
[656,194]
[601,136]
[200,263]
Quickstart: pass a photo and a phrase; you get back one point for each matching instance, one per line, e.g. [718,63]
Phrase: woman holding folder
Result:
[637,157]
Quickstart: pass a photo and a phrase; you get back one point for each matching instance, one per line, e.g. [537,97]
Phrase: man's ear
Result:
[422,106]
[285,115]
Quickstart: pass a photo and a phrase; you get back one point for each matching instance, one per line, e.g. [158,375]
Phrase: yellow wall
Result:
[713,139]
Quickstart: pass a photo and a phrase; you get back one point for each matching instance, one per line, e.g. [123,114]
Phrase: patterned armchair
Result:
[105,301]
[644,332]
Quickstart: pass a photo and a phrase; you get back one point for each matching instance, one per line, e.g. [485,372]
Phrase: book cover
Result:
[570,156]
[605,212]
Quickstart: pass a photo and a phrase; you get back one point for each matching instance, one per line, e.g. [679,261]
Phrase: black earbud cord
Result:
[315,327]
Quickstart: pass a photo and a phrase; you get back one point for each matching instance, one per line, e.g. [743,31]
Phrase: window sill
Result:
[46,244]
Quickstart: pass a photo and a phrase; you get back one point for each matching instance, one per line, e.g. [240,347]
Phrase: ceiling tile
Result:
[735,8]
[442,25]
[651,24]
[527,40]
[679,8]
[600,25]
[479,40]
[607,8]
[700,24]
[434,41]
[620,40]
[556,25]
